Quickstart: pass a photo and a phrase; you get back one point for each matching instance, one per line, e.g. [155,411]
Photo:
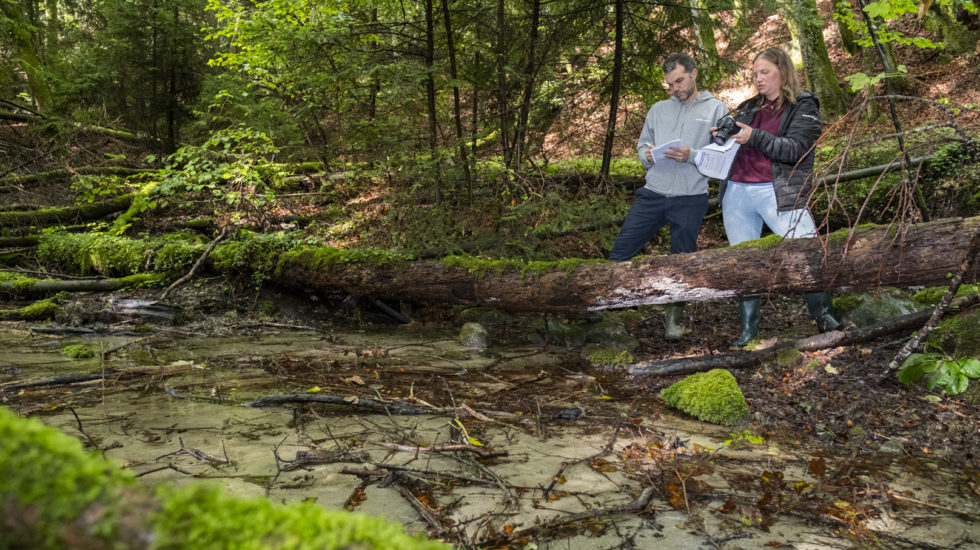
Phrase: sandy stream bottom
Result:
[140,425]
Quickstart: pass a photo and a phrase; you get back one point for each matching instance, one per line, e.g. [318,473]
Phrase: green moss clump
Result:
[712,396]
[47,477]
[769,241]
[932,296]
[41,309]
[840,236]
[608,357]
[77,351]
[55,495]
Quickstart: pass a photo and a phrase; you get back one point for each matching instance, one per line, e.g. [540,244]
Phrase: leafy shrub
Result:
[950,376]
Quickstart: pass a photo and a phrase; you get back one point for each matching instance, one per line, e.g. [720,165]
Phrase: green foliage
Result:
[92,189]
[712,396]
[231,166]
[56,495]
[950,376]
[77,351]
[880,12]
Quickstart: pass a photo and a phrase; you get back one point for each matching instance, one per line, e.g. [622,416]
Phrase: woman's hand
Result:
[743,136]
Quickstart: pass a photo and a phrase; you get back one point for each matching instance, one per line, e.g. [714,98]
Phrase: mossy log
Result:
[62,175]
[46,287]
[864,258]
[24,241]
[66,214]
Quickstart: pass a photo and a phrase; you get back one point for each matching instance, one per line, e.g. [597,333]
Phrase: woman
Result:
[770,181]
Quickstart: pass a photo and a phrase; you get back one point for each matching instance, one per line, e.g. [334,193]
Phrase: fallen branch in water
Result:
[452,448]
[438,477]
[68,379]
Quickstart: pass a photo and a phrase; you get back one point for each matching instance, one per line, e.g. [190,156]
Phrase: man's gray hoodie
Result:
[668,120]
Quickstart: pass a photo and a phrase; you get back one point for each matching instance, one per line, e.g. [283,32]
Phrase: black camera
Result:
[726,129]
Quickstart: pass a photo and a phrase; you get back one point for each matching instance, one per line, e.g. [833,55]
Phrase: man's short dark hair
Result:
[681,59]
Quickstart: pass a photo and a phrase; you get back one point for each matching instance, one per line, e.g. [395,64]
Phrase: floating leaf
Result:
[314,389]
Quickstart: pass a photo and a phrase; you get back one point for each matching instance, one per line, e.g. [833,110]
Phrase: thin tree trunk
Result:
[502,99]
[520,145]
[457,110]
[617,75]
[430,92]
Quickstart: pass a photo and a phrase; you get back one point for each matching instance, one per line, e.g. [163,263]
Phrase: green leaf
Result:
[970,367]
[916,366]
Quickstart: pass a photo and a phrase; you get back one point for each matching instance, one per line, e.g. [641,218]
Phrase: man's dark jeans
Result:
[650,212]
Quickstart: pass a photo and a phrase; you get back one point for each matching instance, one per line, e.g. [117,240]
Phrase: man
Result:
[675,192]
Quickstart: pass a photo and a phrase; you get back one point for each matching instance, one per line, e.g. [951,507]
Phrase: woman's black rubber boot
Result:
[749,313]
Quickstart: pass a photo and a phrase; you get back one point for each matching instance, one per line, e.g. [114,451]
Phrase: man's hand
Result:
[680,154]
[649,154]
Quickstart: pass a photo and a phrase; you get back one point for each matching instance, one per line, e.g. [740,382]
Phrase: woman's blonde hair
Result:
[789,81]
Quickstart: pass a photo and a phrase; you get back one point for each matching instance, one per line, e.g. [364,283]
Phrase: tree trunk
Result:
[617,76]
[871,257]
[847,38]
[47,287]
[502,99]
[457,110]
[520,140]
[430,89]
[821,79]
[25,55]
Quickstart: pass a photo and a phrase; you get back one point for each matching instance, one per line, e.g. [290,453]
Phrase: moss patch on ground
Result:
[712,396]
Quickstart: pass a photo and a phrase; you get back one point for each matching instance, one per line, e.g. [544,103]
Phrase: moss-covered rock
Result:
[474,335]
[959,336]
[712,396]
[865,309]
[56,495]
[77,351]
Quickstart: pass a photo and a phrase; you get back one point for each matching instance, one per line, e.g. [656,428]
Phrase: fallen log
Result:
[849,260]
[66,214]
[742,359]
[45,287]
[62,175]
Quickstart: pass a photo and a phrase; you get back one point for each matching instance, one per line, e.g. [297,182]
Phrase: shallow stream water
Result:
[573,447]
